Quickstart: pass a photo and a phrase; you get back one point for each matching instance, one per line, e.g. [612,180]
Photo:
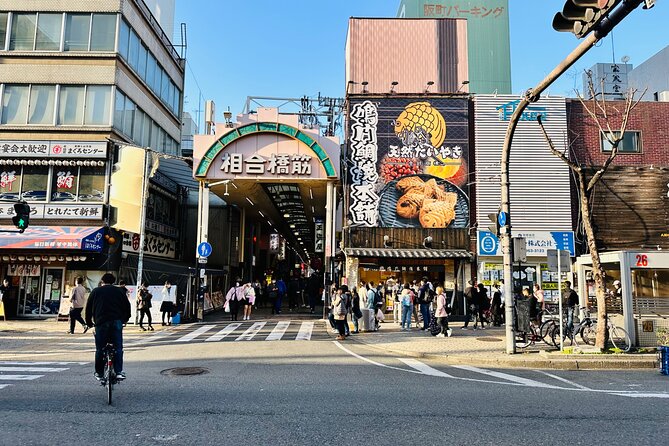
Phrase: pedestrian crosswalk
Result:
[13,372]
[233,332]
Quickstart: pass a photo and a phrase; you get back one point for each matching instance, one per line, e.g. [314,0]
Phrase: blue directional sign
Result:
[502,218]
[204,249]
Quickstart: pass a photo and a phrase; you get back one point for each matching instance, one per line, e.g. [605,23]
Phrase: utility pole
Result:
[601,18]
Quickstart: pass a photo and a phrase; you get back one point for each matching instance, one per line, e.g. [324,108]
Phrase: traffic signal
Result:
[582,16]
[494,227]
[22,218]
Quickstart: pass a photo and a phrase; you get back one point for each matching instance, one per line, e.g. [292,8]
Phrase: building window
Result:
[15,104]
[64,184]
[10,182]
[141,64]
[98,104]
[92,183]
[71,109]
[48,32]
[104,32]
[128,116]
[3,29]
[23,32]
[631,142]
[35,181]
[42,104]
[77,32]
[123,37]
[133,50]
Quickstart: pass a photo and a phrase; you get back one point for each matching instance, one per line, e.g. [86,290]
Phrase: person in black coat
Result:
[483,304]
[496,306]
[471,298]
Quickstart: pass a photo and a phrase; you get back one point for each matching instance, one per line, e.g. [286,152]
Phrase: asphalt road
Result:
[315,391]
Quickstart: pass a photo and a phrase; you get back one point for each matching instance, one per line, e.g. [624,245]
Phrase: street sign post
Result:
[204,249]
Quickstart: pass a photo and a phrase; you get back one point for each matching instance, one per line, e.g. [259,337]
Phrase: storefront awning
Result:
[85,238]
[410,253]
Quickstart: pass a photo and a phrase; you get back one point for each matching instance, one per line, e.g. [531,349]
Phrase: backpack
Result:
[406,300]
[378,299]
[341,308]
[430,295]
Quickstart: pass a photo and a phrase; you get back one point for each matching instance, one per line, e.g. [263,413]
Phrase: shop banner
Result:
[56,211]
[538,243]
[53,149]
[408,162]
[24,270]
[154,245]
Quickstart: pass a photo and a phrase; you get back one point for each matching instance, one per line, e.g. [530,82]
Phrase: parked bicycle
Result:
[618,336]
[586,329]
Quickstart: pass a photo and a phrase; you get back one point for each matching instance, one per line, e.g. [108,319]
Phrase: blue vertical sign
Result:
[204,249]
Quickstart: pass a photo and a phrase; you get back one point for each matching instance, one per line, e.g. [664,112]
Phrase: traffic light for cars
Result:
[582,16]
[22,218]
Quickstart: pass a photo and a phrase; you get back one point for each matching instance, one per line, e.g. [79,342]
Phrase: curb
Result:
[646,362]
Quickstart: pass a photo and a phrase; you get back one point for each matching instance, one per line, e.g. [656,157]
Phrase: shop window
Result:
[48,32]
[98,104]
[77,32]
[71,109]
[3,29]
[631,142]
[123,39]
[103,32]
[64,184]
[35,181]
[650,283]
[42,104]
[92,184]
[10,182]
[15,104]
[22,37]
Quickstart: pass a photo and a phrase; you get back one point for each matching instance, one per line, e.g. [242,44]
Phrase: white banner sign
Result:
[56,211]
[53,149]
[364,208]
[154,245]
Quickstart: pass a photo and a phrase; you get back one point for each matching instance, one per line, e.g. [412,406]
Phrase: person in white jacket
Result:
[167,305]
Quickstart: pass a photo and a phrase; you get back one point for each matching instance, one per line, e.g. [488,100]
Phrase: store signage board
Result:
[53,149]
[537,243]
[552,260]
[56,211]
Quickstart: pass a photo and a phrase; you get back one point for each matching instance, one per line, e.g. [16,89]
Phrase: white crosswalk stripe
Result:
[196,333]
[278,331]
[14,371]
[305,331]
[251,331]
[223,333]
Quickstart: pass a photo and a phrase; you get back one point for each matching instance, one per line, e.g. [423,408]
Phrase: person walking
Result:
[167,305]
[77,302]
[483,305]
[442,313]
[424,302]
[531,298]
[109,309]
[496,306]
[339,305]
[249,301]
[293,291]
[282,293]
[356,314]
[470,302]
[234,298]
[570,298]
[313,290]
[371,305]
[406,300]
[144,305]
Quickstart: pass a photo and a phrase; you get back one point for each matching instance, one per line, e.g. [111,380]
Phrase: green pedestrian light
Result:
[22,218]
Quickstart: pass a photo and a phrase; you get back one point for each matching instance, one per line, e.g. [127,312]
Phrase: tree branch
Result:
[572,165]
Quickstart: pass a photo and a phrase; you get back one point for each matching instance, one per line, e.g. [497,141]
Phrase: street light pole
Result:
[531,96]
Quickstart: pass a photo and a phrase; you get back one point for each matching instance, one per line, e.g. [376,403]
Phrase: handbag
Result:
[226,307]
[379,315]
[140,304]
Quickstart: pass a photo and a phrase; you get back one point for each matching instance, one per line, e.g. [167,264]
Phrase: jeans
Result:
[277,304]
[354,319]
[406,316]
[443,321]
[142,312]
[570,317]
[425,312]
[331,319]
[109,332]
[75,315]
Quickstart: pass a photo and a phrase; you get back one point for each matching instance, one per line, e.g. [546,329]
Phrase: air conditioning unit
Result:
[663,96]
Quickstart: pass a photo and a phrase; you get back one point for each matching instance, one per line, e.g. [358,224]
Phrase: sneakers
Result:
[120,376]
[463,328]
[86,327]
[449,332]
[441,335]
[97,376]
[340,338]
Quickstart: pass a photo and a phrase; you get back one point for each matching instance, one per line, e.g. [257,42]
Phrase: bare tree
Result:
[601,114]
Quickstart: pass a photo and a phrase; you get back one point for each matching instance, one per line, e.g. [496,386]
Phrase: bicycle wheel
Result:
[108,377]
[523,339]
[545,331]
[619,338]
[589,333]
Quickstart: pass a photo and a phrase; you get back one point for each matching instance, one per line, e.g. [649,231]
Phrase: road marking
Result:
[139,340]
[566,381]
[19,377]
[362,358]
[223,333]
[517,379]
[642,395]
[305,331]
[32,369]
[424,368]
[190,336]
[2,386]
[40,363]
[278,331]
[251,331]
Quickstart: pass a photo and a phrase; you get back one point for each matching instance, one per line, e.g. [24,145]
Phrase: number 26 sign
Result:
[641,260]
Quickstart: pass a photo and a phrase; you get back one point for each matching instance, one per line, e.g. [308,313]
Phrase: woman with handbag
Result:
[339,305]
[144,305]
[234,298]
[442,313]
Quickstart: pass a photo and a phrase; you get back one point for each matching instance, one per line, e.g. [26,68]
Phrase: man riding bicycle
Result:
[109,308]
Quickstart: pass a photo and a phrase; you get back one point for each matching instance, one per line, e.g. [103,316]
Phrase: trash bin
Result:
[663,353]
[367,321]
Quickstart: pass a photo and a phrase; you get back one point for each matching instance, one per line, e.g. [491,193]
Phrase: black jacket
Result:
[107,303]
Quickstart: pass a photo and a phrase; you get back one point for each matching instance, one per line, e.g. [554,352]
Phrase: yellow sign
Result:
[2,310]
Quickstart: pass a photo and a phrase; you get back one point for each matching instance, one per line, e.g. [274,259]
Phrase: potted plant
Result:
[663,349]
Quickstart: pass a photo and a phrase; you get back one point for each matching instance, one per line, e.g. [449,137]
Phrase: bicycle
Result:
[618,336]
[586,329]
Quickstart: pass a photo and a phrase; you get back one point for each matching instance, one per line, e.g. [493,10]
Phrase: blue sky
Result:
[293,48]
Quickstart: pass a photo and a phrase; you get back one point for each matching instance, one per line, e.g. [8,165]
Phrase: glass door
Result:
[52,291]
[29,298]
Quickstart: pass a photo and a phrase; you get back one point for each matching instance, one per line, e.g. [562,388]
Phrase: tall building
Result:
[652,74]
[78,80]
[611,79]
[487,37]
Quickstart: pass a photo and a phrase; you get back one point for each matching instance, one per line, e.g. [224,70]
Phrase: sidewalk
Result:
[488,348]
